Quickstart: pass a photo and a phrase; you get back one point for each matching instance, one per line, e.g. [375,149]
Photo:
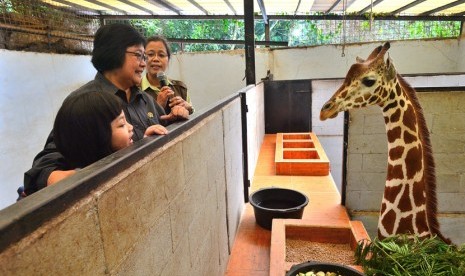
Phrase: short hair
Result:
[82,129]
[162,39]
[110,44]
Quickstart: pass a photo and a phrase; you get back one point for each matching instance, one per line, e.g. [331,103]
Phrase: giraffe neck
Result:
[404,206]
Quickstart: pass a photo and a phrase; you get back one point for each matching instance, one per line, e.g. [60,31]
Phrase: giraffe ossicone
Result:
[409,204]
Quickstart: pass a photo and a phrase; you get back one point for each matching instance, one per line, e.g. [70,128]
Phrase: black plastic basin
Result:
[270,203]
[325,267]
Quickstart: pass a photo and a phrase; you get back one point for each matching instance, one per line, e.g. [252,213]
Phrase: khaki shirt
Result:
[179,88]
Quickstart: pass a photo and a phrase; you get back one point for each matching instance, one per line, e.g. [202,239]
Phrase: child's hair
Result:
[82,129]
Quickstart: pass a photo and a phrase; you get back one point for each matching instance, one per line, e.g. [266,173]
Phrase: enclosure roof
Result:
[264,8]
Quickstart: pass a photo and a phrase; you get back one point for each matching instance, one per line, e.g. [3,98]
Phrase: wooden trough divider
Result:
[300,154]
[308,230]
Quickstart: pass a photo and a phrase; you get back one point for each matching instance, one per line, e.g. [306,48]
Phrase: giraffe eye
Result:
[368,82]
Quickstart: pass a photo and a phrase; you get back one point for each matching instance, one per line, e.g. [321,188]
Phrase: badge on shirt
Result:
[150,114]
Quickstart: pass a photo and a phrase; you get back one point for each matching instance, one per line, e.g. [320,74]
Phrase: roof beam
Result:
[333,6]
[230,6]
[136,6]
[450,5]
[297,8]
[406,7]
[370,6]
[291,17]
[261,4]
[77,11]
[167,5]
[75,6]
[197,5]
[110,7]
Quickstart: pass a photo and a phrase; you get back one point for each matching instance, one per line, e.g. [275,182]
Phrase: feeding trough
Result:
[324,267]
[270,203]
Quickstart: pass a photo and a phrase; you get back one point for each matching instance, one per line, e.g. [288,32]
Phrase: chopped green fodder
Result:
[404,255]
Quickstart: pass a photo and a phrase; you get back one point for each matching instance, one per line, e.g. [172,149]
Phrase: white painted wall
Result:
[329,132]
[461,58]
[210,76]
[409,57]
[33,85]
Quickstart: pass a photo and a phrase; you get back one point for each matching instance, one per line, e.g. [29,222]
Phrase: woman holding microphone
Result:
[166,92]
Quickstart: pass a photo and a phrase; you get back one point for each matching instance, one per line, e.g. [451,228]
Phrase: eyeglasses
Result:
[140,56]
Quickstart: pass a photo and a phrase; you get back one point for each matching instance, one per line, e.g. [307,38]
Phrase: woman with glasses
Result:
[119,57]
[171,93]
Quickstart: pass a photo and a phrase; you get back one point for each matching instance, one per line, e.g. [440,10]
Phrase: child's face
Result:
[121,133]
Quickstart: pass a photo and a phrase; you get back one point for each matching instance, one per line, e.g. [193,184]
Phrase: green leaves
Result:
[214,29]
[404,255]
[295,32]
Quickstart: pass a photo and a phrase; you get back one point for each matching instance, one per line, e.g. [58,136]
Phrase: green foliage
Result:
[402,255]
[6,6]
[295,32]
[419,29]
[221,29]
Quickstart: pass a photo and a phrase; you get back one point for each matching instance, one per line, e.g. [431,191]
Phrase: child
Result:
[90,126]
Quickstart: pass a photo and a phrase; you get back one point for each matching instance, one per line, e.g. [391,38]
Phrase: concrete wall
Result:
[255,125]
[367,160]
[211,76]
[34,85]
[149,219]
[461,66]
[410,57]
[329,132]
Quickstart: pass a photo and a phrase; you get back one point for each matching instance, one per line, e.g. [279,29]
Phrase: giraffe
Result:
[409,204]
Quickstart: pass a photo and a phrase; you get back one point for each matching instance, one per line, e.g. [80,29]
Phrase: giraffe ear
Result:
[359,59]
[391,70]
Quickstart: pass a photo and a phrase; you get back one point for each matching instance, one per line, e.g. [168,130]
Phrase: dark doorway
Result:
[288,106]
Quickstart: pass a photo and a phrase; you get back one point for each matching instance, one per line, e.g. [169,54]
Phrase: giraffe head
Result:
[363,84]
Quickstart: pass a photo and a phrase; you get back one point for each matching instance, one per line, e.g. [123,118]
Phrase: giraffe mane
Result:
[429,168]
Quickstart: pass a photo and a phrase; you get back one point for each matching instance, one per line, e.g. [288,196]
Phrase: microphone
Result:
[164,82]
[162,78]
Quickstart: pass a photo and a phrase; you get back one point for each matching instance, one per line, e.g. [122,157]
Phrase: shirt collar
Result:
[146,84]
[109,87]
[106,85]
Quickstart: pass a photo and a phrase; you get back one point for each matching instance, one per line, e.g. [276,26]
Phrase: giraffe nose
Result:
[327,106]
[328,110]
